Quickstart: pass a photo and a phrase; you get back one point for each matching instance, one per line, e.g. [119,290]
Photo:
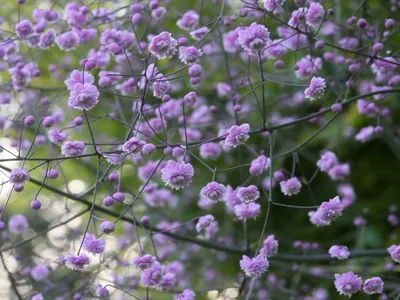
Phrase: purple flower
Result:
[338,251]
[77,76]
[18,224]
[133,145]
[367,108]
[231,199]
[37,297]
[297,18]
[189,20]
[365,134]
[186,295]
[213,191]
[189,55]
[291,186]
[18,177]
[248,194]
[177,175]
[152,275]
[163,45]
[316,89]
[68,40]
[107,227]
[394,252]
[83,96]
[47,39]
[348,283]
[76,262]
[307,66]
[39,273]
[190,99]
[254,267]
[211,230]
[199,33]
[327,161]
[93,245]
[253,38]
[327,212]
[259,164]
[144,262]
[339,171]
[74,148]
[270,247]
[230,42]
[315,14]
[204,222]
[373,285]
[24,29]
[102,292]
[274,6]
[223,89]
[247,211]
[237,135]
[210,151]
[57,136]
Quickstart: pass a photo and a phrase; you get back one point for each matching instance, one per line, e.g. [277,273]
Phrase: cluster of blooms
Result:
[145,73]
[349,283]
[329,163]
[327,212]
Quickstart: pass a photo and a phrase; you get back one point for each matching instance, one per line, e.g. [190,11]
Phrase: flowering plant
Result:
[176,149]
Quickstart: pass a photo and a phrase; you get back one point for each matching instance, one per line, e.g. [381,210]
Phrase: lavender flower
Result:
[254,38]
[339,171]
[315,14]
[327,212]
[348,283]
[68,40]
[394,252]
[270,246]
[189,55]
[259,164]
[247,211]
[204,222]
[213,191]
[327,161]
[152,275]
[83,96]
[373,285]
[76,262]
[93,245]
[18,177]
[39,273]
[177,175]
[274,6]
[57,136]
[18,224]
[291,186]
[75,148]
[237,135]
[24,29]
[107,227]
[365,134]
[339,252]
[189,20]
[144,262]
[254,267]
[248,194]
[316,89]
[77,76]
[210,151]
[133,145]
[187,295]
[163,45]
